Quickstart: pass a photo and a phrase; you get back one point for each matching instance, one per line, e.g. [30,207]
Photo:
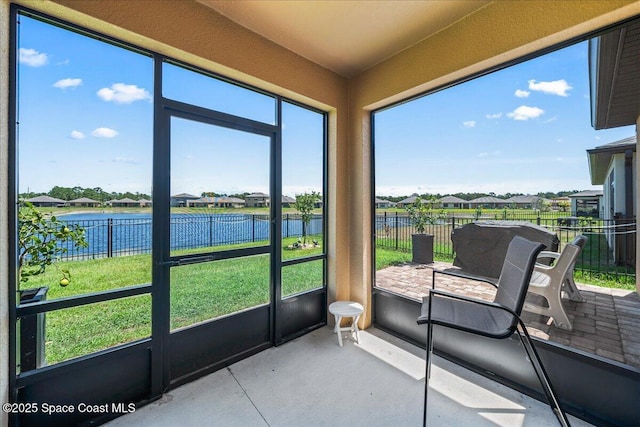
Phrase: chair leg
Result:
[542,375]
[427,371]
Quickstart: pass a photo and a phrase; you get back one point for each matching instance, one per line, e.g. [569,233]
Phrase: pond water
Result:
[112,234]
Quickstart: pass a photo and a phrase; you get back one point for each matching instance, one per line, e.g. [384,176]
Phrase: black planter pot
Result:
[32,331]
[422,248]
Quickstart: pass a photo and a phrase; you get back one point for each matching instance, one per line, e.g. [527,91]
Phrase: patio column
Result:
[4,208]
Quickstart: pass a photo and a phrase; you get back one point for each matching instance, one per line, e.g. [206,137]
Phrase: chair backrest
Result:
[516,273]
[579,241]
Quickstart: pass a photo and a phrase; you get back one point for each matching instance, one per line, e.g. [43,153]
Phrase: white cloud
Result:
[469,124]
[127,160]
[556,87]
[494,116]
[522,93]
[104,133]
[121,93]
[65,83]
[75,134]
[525,113]
[32,57]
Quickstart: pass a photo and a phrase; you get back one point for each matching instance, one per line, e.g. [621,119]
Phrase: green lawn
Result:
[198,292]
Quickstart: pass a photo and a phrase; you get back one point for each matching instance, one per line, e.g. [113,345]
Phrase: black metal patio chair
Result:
[499,318]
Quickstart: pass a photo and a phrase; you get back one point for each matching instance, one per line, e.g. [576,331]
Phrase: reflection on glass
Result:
[219,188]
[302,277]
[302,177]
[198,89]
[208,290]
[73,332]
[85,161]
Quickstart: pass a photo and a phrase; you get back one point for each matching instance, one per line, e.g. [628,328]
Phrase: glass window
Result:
[200,292]
[182,84]
[512,146]
[85,162]
[220,180]
[302,181]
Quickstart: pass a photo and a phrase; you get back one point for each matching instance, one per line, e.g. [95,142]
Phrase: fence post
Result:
[396,228]
[538,220]
[287,225]
[453,226]
[109,237]
[210,230]
[253,227]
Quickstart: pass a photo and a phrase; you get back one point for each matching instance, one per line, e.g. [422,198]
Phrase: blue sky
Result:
[523,129]
[86,119]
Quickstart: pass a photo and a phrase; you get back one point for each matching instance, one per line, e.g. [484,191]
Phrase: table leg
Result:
[337,329]
[355,328]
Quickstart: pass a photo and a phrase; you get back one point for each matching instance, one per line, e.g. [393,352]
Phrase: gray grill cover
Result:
[481,246]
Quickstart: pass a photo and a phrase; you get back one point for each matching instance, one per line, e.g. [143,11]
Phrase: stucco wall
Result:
[500,32]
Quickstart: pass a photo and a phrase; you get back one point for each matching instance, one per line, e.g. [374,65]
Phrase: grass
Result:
[198,292]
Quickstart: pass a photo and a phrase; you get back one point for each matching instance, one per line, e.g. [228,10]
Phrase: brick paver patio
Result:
[606,324]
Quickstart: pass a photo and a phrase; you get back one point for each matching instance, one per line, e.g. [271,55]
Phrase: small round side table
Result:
[342,309]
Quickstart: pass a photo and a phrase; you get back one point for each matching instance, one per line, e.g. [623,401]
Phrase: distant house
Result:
[83,202]
[287,201]
[406,202]
[181,200]
[216,202]
[257,200]
[383,204]
[613,166]
[124,203]
[488,202]
[586,203]
[144,203]
[452,202]
[46,201]
[527,202]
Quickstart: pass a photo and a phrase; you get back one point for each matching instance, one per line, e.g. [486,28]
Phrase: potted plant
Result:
[422,214]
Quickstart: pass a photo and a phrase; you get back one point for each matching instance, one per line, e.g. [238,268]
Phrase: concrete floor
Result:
[311,381]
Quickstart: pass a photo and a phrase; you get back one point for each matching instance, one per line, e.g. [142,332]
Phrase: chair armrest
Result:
[437,292]
[462,275]
[547,254]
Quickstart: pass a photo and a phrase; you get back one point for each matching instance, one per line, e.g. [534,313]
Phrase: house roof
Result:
[524,199]
[339,35]
[452,199]
[487,199]
[258,195]
[83,200]
[125,200]
[287,199]
[586,193]
[45,199]
[410,199]
[600,157]
[614,74]
[185,196]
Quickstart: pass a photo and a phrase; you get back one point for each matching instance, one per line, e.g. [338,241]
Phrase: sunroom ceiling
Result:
[342,35]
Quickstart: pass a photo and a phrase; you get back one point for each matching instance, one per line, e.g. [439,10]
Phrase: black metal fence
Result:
[610,249]
[117,237]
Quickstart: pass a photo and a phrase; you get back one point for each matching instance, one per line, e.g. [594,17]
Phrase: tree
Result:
[39,242]
[305,204]
[422,213]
